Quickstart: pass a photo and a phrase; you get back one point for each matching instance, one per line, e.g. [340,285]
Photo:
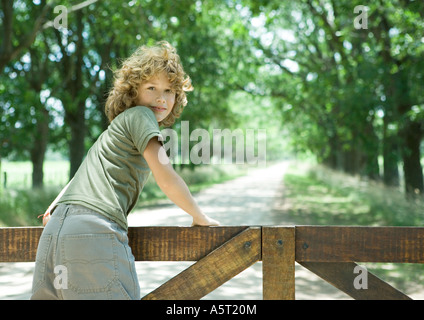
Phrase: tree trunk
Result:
[390,157]
[75,111]
[77,124]
[414,181]
[36,77]
[39,148]
[333,158]
[369,146]
[371,167]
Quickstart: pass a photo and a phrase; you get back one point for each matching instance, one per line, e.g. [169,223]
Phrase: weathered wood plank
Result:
[177,243]
[359,244]
[19,244]
[147,243]
[216,268]
[278,263]
[342,276]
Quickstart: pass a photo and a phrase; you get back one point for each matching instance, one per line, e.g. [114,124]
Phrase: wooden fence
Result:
[222,252]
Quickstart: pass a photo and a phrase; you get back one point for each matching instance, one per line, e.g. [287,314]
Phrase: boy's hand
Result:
[46,219]
[204,221]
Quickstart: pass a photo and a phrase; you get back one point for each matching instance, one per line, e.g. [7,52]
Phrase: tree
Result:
[18,36]
[25,78]
[85,50]
[26,52]
[69,66]
[353,87]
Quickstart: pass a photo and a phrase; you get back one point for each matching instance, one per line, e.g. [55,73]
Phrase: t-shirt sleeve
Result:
[142,126]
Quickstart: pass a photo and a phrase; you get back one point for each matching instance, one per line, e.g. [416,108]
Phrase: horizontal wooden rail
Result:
[223,252]
[360,244]
[147,243]
[312,243]
[178,243]
[19,244]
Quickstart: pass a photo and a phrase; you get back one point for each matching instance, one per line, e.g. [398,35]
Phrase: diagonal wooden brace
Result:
[209,273]
[341,275]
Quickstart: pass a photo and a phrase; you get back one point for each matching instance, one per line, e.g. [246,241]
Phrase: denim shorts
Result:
[84,255]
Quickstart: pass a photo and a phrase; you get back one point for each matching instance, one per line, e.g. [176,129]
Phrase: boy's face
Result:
[156,93]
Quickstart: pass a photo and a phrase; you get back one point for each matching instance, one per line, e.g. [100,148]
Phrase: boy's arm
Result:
[172,184]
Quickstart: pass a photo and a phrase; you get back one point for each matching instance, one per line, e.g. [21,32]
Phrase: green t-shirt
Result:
[114,171]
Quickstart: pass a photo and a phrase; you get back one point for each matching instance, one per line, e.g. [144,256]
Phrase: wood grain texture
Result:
[147,243]
[359,244]
[177,243]
[19,244]
[278,263]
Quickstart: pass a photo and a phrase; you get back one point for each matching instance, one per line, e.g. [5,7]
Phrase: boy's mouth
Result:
[158,108]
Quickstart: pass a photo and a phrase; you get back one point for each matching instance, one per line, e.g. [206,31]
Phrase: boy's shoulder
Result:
[136,114]
[136,118]
[139,110]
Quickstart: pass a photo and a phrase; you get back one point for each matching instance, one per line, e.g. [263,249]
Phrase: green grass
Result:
[19,204]
[319,196]
[22,207]
[19,174]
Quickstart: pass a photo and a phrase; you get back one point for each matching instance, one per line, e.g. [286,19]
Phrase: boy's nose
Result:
[161,100]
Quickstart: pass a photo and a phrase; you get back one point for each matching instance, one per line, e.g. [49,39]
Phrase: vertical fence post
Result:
[278,263]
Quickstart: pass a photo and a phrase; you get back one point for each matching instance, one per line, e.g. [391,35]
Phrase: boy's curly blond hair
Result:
[144,63]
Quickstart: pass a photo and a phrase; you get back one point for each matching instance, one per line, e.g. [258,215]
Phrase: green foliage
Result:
[347,95]
[75,64]
[341,89]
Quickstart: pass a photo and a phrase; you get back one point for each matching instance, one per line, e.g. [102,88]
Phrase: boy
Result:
[87,232]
